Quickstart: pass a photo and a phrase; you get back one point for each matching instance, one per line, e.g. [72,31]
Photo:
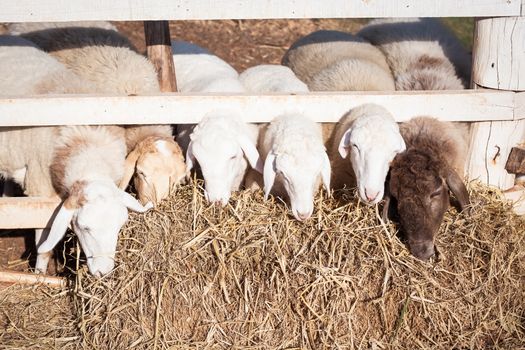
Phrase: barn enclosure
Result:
[260,278]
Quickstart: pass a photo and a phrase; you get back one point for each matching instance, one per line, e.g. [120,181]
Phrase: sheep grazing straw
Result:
[223,145]
[81,164]
[421,178]
[335,61]
[295,161]
[108,61]
[362,145]
[422,53]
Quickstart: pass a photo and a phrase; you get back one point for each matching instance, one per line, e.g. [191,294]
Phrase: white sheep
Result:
[335,61]
[107,60]
[371,137]
[223,145]
[422,53]
[198,70]
[81,164]
[295,161]
[271,78]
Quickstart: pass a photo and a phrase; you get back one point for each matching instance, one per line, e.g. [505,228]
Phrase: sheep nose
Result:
[372,196]
[303,216]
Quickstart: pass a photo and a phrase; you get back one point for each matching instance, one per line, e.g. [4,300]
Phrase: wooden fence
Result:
[495,105]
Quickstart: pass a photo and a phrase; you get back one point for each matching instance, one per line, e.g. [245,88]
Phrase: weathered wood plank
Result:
[122,10]
[516,162]
[158,48]
[26,212]
[172,108]
[490,146]
[499,62]
[31,279]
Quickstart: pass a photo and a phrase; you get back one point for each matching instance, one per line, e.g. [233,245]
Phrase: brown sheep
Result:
[421,178]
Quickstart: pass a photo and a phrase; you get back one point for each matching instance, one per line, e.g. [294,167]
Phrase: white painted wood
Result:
[122,10]
[519,102]
[499,62]
[490,146]
[172,108]
[26,212]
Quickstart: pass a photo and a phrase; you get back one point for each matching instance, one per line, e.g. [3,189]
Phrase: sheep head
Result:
[96,210]
[420,183]
[299,174]
[372,140]
[157,167]
[223,150]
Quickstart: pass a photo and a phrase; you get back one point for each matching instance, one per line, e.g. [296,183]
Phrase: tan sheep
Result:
[422,53]
[336,61]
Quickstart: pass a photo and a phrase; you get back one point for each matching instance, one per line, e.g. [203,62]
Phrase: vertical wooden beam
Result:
[158,43]
[498,62]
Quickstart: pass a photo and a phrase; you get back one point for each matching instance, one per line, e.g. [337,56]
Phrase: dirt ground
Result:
[242,43]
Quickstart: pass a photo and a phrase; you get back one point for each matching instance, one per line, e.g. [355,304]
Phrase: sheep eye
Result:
[436,193]
[233,157]
[355,146]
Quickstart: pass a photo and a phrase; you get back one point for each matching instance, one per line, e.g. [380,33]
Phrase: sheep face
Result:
[222,161]
[372,142]
[158,168]
[96,211]
[299,177]
[420,184]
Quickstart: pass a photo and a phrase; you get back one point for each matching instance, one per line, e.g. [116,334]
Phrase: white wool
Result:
[328,60]
[368,138]
[271,78]
[295,161]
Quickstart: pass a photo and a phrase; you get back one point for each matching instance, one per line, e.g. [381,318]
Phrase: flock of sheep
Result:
[90,167]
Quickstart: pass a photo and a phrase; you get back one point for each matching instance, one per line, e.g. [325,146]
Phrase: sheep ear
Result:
[344,143]
[326,172]
[456,185]
[58,228]
[402,145]
[132,204]
[251,153]
[269,174]
[190,158]
[129,168]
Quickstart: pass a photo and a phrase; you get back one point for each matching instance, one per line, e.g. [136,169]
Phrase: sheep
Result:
[368,138]
[421,178]
[223,145]
[295,161]
[422,53]
[271,78]
[329,60]
[198,70]
[80,164]
[108,62]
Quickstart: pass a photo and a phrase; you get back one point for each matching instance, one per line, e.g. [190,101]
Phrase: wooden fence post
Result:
[158,46]
[498,62]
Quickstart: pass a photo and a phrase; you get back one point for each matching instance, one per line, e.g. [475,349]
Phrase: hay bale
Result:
[191,275]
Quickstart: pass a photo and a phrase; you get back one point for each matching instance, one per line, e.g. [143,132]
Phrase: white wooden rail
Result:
[134,10]
[177,108]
